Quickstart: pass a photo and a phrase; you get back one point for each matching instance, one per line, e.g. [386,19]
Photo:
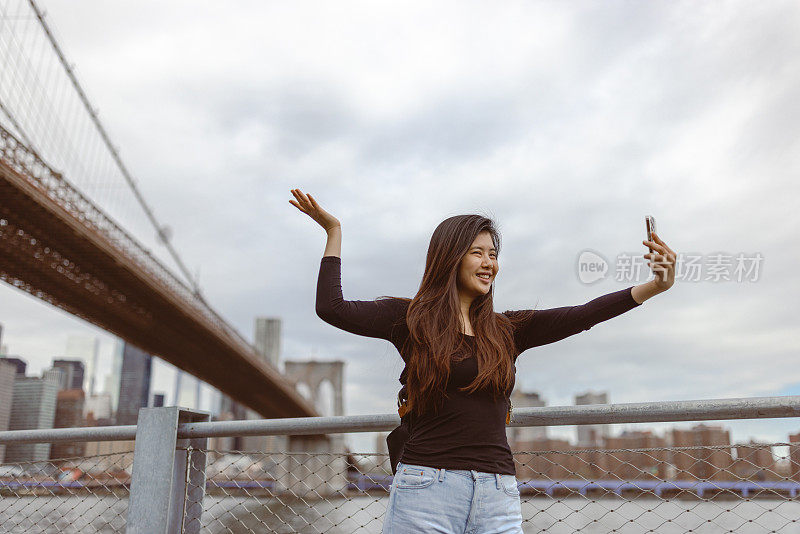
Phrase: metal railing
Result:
[176,480]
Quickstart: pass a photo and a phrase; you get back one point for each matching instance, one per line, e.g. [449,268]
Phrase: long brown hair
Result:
[434,321]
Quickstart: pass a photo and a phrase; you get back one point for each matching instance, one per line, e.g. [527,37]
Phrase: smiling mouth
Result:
[485,280]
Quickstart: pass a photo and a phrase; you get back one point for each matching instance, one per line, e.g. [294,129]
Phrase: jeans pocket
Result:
[414,476]
[509,484]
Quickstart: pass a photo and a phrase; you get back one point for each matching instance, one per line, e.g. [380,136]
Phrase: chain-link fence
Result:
[699,489]
[178,480]
[80,494]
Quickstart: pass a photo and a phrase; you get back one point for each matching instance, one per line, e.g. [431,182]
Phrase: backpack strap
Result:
[402,402]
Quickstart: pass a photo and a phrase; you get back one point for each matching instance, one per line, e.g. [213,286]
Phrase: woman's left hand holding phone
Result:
[662,262]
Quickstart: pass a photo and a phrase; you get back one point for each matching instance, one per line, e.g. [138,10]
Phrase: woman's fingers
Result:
[662,243]
[302,201]
[653,245]
[299,202]
[300,197]
[298,206]
[659,243]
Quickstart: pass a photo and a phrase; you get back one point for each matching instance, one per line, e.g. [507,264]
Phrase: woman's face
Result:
[480,258]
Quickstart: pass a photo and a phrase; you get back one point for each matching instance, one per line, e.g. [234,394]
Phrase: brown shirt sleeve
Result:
[550,325]
[370,318]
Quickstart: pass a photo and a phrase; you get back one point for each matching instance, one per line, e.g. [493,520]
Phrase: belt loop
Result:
[497,480]
[441,474]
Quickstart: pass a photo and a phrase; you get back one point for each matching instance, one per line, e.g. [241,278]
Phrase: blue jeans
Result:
[427,499]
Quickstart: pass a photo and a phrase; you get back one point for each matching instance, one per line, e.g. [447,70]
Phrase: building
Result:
[630,464]
[134,385]
[20,365]
[523,399]
[69,414]
[72,377]
[8,372]
[702,462]
[187,390]
[85,349]
[32,406]
[558,463]
[592,435]
[230,410]
[99,406]
[112,381]
[268,339]
[754,461]
[794,457]
[121,451]
[3,348]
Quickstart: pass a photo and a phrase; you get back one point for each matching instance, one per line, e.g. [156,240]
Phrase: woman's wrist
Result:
[334,245]
[642,292]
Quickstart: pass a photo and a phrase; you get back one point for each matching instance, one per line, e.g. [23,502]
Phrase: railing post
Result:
[159,492]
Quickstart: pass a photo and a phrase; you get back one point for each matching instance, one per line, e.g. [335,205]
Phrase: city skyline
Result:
[600,434]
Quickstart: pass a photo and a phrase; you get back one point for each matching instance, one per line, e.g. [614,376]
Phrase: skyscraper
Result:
[268,339]
[84,348]
[8,371]
[186,390]
[592,435]
[21,365]
[32,406]
[69,414]
[516,434]
[134,385]
[72,378]
[3,348]
[112,382]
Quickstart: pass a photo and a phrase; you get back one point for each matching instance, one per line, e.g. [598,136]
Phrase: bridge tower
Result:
[324,470]
[313,374]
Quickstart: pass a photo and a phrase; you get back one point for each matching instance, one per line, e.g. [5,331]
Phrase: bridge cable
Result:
[161,231]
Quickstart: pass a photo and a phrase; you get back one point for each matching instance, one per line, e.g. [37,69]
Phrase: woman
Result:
[456,473]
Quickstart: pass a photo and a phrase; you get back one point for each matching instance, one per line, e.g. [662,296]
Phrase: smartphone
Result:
[650,224]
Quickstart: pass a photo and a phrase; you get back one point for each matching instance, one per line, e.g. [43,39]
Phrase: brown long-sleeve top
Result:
[469,431]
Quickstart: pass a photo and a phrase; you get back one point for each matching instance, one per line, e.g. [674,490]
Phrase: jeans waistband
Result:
[468,473]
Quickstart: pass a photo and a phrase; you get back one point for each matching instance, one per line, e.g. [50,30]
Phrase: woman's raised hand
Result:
[307,204]
[661,262]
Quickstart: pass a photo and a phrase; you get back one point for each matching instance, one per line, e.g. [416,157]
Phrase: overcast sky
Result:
[566,122]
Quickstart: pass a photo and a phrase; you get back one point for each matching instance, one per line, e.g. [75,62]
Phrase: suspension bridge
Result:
[74,227]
